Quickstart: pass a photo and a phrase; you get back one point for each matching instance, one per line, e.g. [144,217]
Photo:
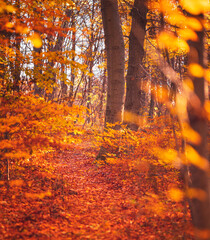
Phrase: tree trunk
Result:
[90,56]
[199,176]
[16,69]
[37,73]
[71,88]
[134,95]
[102,97]
[151,107]
[115,51]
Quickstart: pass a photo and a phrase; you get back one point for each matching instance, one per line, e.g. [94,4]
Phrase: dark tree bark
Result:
[91,64]
[134,94]
[115,51]
[102,97]
[71,88]
[37,72]
[16,66]
[199,176]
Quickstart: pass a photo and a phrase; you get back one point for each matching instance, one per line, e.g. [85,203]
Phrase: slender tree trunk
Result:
[115,51]
[2,69]
[71,89]
[103,90]
[151,107]
[16,63]
[89,90]
[199,176]
[5,82]
[37,72]
[134,95]
[90,55]
[64,87]
[16,72]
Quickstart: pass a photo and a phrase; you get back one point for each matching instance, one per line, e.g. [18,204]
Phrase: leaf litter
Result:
[63,195]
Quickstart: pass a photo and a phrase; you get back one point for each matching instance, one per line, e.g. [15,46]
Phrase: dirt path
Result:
[82,201]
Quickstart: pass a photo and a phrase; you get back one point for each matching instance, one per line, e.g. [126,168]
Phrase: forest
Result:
[104,119]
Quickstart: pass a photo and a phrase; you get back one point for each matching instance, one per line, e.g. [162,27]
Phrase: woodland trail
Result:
[75,199]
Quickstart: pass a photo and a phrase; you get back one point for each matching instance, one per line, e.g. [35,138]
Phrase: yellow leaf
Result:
[9,25]
[171,42]
[182,45]
[167,40]
[176,19]
[134,118]
[196,193]
[176,194]
[168,156]
[10,8]
[191,135]
[187,34]
[194,158]
[195,7]
[196,70]
[194,23]
[35,40]
[166,6]
[181,107]
[22,29]
[188,85]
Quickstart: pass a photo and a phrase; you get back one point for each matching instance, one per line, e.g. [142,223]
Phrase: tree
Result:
[115,51]
[134,79]
[199,178]
[188,36]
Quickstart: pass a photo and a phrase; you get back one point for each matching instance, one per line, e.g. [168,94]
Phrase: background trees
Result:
[61,54]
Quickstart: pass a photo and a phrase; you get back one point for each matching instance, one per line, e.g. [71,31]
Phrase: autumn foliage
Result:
[54,176]
[67,171]
[30,125]
[65,193]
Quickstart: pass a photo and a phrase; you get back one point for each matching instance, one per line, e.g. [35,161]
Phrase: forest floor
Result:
[63,195]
